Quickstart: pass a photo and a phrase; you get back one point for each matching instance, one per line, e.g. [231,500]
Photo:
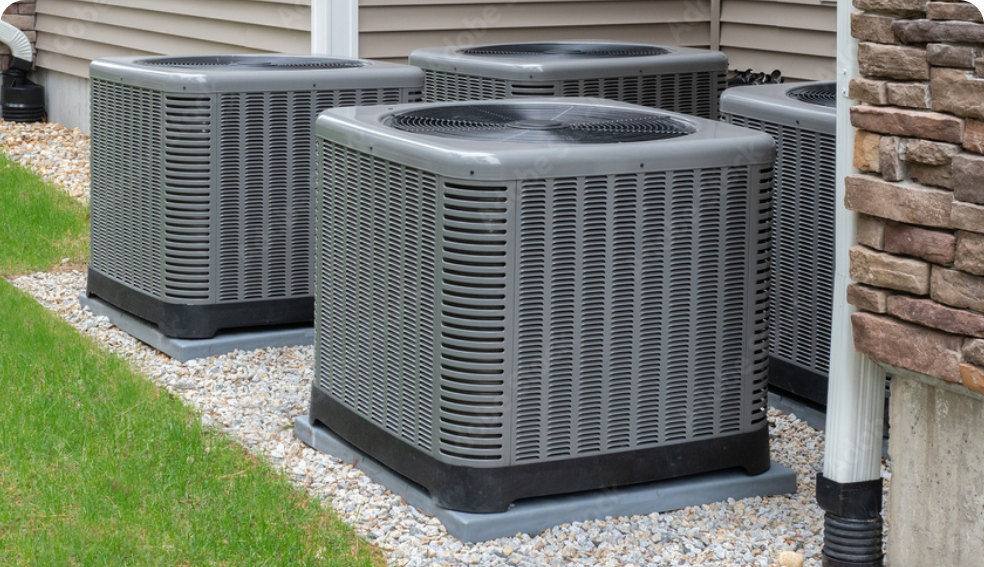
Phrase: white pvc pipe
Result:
[856,393]
[335,28]
[20,46]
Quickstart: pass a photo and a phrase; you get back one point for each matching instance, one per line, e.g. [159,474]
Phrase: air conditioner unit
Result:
[523,298]
[202,182]
[679,79]
[802,120]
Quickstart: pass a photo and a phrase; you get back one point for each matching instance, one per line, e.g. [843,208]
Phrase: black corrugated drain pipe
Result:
[852,523]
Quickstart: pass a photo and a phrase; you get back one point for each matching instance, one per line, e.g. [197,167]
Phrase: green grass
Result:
[39,224]
[98,467]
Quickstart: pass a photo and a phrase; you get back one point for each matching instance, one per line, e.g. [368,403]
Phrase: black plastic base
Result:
[490,490]
[186,321]
[20,99]
[852,534]
[802,382]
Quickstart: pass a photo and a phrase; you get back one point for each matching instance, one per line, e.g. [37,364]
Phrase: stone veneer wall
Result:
[20,15]
[919,262]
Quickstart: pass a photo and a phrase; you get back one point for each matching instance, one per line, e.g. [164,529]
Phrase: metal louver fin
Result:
[820,94]
[530,123]
[252,61]
[564,50]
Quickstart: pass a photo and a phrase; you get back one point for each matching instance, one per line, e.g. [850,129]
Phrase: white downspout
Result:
[849,490]
[856,395]
[335,28]
[20,46]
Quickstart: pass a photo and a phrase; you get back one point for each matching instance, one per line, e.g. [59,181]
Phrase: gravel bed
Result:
[58,154]
[254,396]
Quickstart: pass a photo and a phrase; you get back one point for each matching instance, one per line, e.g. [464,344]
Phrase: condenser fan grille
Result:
[565,50]
[532,123]
[252,61]
[823,94]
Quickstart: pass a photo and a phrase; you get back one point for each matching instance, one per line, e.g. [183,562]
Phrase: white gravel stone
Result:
[58,154]
[254,396]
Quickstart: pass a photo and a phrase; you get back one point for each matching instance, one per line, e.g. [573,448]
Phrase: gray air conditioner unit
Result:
[679,79]
[523,298]
[202,190]
[802,119]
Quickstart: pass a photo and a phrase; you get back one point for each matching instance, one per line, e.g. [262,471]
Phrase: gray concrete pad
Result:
[537,514]
[188,349]
[813,416]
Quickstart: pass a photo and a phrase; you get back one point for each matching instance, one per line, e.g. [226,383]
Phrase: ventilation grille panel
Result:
[820,94]
[375,316]
[635,324]
[440,86]
[188,198]
[266,183]
[543,89]
[265,62]
[803,244]
[574,317]
[564,50]
[474,320]
[696,94]
[126,197]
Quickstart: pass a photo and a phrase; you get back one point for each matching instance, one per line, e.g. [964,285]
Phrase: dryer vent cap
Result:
[564,50]
[533,123]
[251,62]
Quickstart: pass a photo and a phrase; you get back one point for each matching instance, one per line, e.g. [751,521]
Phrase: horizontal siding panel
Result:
[63,63]
[479,16]
[280,14]
[798,37]
[780,40]
[84,49]
[365,3]
[794,32]
[831,6]
[793,66]
[391,29]
[789,16]
[138,40]
[176,34]
[73,32]
[398,45]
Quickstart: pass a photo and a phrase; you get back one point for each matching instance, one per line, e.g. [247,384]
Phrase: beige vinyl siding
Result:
[71,33]
[391,29]
[799,37]
[796,36]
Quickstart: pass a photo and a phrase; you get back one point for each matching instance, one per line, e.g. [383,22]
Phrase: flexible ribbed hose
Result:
[20,46]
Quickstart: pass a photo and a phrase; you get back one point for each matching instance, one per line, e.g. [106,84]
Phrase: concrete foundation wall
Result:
[66,97]
[936,499]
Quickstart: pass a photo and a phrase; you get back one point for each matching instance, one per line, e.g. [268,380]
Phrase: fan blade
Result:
[528,122]
[564,50]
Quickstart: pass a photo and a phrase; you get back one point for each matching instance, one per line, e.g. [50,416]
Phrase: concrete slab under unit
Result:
[814,416]
[537,514]
[188,349]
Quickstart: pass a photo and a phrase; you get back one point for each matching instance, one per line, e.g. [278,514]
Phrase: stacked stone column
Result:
[20,15]
[919,262]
